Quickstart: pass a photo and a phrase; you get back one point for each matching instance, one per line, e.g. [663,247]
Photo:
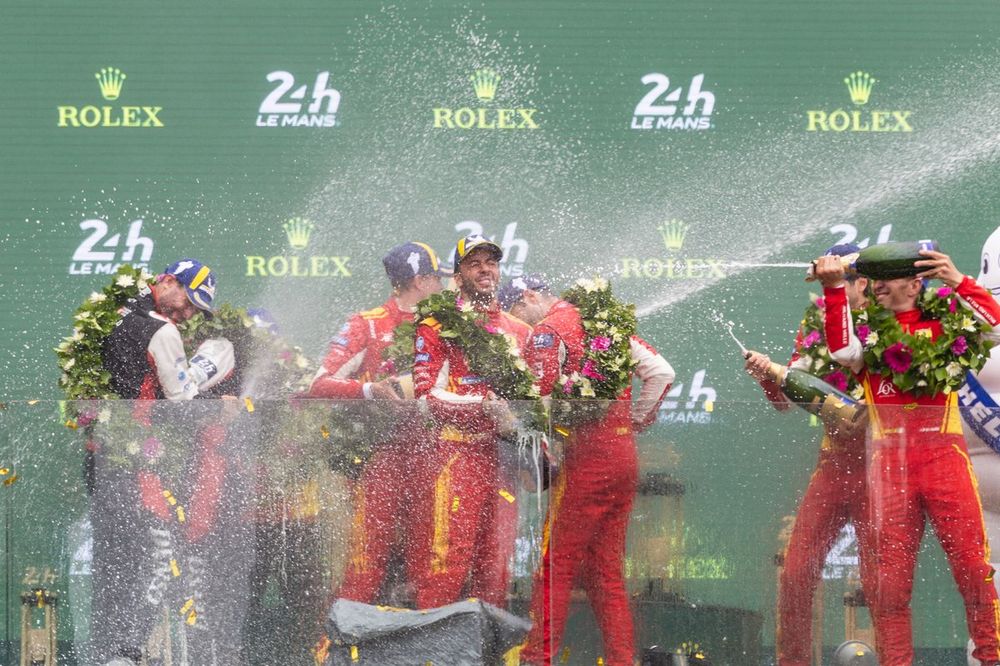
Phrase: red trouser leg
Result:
[381,496]
[821,515]
[455,512]
[585,529]
[495,545]
[952,502]
[897,525]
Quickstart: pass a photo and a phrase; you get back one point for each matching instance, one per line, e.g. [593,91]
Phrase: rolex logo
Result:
[484,82]
[860,85]
[110,80]
[673,232]
[298,230]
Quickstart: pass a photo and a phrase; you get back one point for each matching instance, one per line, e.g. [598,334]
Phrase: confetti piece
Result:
[32,402]
[4,471]
[71,424]
[170,497]
[454,505]
[507,496]
[187,606]
[989,577]
[10,480]
[562,431]
[709,406]
[3,405]
[325,432]
[249,403]
[357,460]
[564,656]
[174,569]
[40,597]
[354,653]
[192,618]
[180,514]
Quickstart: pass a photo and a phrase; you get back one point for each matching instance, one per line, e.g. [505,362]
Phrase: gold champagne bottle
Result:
[832,406]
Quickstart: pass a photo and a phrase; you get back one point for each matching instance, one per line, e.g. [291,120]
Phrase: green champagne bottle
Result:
[886,261]
[833,407]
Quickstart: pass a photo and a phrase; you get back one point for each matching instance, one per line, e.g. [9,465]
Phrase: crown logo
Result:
[111,80]
[298,230]
[485,81]
[860,85]
[673,232]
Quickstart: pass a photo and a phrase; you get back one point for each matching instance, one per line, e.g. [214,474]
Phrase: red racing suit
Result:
[467,510]
[591,497]
[835,495]
[387,484]
[919,466]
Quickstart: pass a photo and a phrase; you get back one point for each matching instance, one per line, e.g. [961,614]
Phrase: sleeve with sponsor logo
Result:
[545,354]
[337,377]
[432,381]
[844,346]
[656,376]
[982,304]
[166,353]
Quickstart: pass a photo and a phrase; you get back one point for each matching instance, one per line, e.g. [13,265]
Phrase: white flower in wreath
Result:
[858,392]
[512,347]
[143,286]
[301,361]
[465,307]
[69,364]
[97,297]
[871,339]
[104,415]
[77,335]
[520,364]
[64,345]
[145,275]
[819,363]
[81,316]
[125,281]
[953,369]
[535,391]
[968,324]
[924,368]
[603,314]
[922,382]
[132,448]
[600,283]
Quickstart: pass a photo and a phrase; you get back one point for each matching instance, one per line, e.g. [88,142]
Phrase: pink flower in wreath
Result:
[590,370]
[821,303]
[944,292]
[600,343]
[152,448]
[952,305]
[837,380]
[959,346]
[898,357]
[863,332]
[490,328]
[812,338]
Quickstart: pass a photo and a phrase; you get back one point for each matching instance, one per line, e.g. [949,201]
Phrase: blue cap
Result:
[842,250]
[405,262]
[466,245]
[262,318]
[197,279]
[513,290]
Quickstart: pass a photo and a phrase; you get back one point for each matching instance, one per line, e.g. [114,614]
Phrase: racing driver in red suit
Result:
[468,513]
[592,495]
[919,464]
[350,371]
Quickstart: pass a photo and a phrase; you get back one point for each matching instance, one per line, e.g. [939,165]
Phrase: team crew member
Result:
[133,538]
[352,369]
[920,464]
[835,495]
[469,518]
[592,495]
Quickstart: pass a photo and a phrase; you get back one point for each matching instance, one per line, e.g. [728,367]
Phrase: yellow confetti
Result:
[709,406]
[989,577]
[174,569]
[180,514]
[187,606]
[41,599]
[249,403]
[192,618]
[454,504]
[4,471]
[507,496]
[325,432]
[9,480]
[357,460]
[32,402]
[354,653]
[562,431]
[564,657]
[71,424]
[170,497]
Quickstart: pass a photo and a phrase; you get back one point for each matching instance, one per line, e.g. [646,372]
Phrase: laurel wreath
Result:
[812,347]
[492,355]
[608,325]
[917,363]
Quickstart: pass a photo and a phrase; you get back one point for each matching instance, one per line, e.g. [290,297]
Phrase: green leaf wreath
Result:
[608,324]
[916,363]
[489,353]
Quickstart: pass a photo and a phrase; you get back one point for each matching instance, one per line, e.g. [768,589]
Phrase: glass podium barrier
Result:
[364,532]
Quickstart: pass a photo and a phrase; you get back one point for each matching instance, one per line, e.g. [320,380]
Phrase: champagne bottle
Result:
[885,261]
[833,407]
